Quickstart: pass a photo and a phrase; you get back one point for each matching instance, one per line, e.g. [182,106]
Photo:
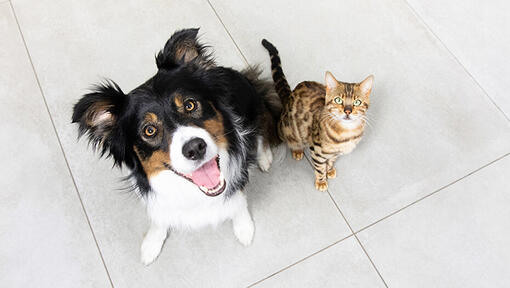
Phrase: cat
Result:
[328,119]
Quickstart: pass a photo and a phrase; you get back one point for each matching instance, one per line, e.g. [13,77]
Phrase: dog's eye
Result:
[190,105]
[150,131]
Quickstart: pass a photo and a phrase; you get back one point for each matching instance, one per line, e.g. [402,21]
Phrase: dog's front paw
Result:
[244,230]
[149,251]
[265,158]
[152,243]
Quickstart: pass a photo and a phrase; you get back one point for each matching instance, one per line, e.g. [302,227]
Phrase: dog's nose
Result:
[194,149]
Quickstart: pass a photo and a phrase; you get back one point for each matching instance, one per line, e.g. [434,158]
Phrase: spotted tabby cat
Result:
[329,119]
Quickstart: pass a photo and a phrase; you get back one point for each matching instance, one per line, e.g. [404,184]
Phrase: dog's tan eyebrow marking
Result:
[178,99]
[151,117]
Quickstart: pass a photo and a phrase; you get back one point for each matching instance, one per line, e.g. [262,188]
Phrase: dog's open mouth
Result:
[208,178]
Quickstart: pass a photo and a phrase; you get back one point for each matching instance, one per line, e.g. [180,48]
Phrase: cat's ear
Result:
[366,85]
[331,82]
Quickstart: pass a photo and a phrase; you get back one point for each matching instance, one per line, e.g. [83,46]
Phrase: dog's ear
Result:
[97,114]
[183,48]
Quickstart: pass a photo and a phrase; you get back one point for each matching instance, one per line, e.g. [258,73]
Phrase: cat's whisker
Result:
[366,120]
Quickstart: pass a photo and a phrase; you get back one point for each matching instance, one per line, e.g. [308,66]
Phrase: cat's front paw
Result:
[321,185]
[332,173]
[298,154]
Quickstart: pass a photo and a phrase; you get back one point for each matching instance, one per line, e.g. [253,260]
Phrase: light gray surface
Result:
[45,240]
[342,265]
[430,125]
[456,238]
[478,34]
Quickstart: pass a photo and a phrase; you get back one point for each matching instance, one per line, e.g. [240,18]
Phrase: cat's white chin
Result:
[351,122]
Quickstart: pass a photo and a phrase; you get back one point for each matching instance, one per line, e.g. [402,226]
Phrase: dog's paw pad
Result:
[244,231]
[265,159]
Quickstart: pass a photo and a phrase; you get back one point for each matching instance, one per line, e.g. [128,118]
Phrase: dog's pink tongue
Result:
[208,175]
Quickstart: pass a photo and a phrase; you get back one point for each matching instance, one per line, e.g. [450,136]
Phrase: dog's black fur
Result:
[112,119]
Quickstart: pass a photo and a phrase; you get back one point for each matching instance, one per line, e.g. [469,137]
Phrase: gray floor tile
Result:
[45,240]
[430,123]
[478,34]
[342,265]
[455,238]
[71,44]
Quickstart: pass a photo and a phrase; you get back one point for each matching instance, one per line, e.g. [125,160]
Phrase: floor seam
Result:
[59,141]
[300,260]
[228,33]
[455,57]
[359,242]
[350,228]
[433,193]
[305,258]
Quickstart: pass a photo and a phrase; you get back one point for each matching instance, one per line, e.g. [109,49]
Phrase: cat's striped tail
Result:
[280,82]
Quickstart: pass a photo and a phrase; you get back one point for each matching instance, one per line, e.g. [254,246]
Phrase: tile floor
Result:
[422,202]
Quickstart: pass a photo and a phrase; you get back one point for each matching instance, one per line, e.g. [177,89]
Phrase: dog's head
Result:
[171,122]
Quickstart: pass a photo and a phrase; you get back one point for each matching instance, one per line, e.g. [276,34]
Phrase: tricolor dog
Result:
[188,135]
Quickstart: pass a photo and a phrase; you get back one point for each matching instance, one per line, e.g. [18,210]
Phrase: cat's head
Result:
[348,102]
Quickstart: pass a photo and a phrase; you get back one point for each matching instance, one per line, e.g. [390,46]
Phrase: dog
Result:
[188,136]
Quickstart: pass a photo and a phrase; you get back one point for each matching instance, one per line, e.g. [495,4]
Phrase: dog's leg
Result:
[242,222]
[264,154]
[152,243]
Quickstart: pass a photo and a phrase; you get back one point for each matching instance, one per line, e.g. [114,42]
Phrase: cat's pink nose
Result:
[347,111]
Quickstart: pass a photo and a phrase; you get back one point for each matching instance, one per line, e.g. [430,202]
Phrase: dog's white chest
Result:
[180,204]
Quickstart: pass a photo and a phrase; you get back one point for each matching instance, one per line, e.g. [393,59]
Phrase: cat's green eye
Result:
[357,102]
[338,100]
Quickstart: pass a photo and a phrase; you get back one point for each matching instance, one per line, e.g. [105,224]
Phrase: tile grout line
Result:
[408,205]
[228,32]
[304,258]
[359,242]
[433,193]
[59,141]
[454,57]
[352,231]
[301,260]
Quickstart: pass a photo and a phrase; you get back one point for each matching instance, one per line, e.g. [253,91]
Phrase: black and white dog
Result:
[188,135]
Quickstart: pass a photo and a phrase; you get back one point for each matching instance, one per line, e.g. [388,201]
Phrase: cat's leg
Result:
[298,154]
[289,135]
[152,243]
[331,168]
[264,154]
[320,165]
[297,150]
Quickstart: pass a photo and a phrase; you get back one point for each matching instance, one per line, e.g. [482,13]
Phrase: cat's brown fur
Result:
[314,117]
